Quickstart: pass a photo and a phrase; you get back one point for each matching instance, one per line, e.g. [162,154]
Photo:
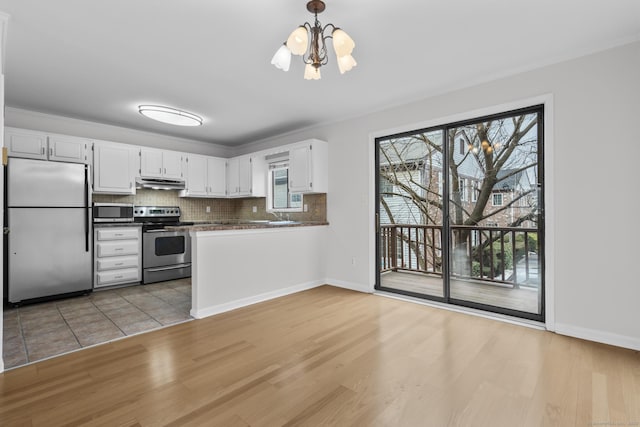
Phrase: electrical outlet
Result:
[255,209]
[208,209]
[353,260]
[305,208]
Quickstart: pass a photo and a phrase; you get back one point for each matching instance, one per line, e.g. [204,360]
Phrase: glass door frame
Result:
[446,225]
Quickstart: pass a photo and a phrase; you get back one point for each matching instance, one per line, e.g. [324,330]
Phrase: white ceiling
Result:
[97,60]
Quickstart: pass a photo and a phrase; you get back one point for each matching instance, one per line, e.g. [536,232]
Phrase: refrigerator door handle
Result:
[87,210]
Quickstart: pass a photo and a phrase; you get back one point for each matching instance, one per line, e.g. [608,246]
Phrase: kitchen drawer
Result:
[117,248]
[118,233]
[106,278]
[115,263]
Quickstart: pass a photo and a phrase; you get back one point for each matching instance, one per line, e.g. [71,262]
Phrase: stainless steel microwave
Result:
[113,212]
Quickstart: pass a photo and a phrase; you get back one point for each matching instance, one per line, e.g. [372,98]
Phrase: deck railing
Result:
[494,254]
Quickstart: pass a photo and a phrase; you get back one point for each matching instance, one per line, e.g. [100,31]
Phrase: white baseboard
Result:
[243,302]
[349,285]
[1,363]
[624,341]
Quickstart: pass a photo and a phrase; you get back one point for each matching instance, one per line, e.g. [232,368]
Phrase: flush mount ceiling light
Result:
[309,41]
[170,115]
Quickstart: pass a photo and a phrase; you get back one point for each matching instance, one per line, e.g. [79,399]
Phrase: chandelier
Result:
[309,41]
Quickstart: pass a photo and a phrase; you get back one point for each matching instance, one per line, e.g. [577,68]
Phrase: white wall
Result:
[67,126]
[282,261]
[595,150]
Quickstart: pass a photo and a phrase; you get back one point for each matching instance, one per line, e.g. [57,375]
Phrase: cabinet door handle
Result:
[51,151]
[42,151]
[165,171]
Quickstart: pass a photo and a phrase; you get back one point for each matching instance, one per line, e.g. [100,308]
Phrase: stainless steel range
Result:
[166,255]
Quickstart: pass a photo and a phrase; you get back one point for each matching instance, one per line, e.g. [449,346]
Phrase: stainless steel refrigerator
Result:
[49,220]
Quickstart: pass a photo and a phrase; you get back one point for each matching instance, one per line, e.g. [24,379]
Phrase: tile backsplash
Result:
[195,209]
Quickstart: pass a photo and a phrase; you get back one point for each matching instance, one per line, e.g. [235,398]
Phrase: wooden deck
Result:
[481,292]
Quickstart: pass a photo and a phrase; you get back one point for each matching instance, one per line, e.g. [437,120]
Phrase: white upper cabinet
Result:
[233,177]
[217,176]
[150,163]
[160,164]
[205,176]
[196,174]
[26,144]
[300,169]
[172,164]
[64,148]
[114,168]
[246,176]
[308,167]
[42,146]
[239,176]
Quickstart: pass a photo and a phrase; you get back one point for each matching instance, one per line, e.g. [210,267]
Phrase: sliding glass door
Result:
[410,199]
[460,213]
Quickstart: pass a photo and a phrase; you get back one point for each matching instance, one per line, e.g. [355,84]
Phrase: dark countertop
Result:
[116,224]
[247,225]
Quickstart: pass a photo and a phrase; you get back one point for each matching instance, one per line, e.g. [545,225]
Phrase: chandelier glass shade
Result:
[309,41]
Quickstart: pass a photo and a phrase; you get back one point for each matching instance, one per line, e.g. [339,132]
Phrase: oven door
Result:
[162,248]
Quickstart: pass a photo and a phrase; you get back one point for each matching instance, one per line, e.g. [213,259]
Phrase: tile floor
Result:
[35,332]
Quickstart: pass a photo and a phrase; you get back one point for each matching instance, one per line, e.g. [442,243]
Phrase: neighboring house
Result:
[411,178]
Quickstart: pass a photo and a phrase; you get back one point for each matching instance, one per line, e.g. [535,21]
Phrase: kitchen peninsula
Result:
[241,263]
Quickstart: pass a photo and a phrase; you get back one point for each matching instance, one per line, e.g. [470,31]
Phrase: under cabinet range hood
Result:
[160,184]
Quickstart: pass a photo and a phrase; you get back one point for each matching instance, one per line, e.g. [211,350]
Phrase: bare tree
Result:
[491,154]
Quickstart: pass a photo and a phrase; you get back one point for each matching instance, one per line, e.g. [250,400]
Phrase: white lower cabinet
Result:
[119,248]
[117,263]
[117,277]
[117,233]
[118,255]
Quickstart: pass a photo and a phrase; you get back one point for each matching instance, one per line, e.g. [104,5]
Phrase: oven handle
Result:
[172,267]
[165,231]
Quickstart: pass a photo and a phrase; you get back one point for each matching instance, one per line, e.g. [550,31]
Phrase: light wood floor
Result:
[523,299]
[329,356]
